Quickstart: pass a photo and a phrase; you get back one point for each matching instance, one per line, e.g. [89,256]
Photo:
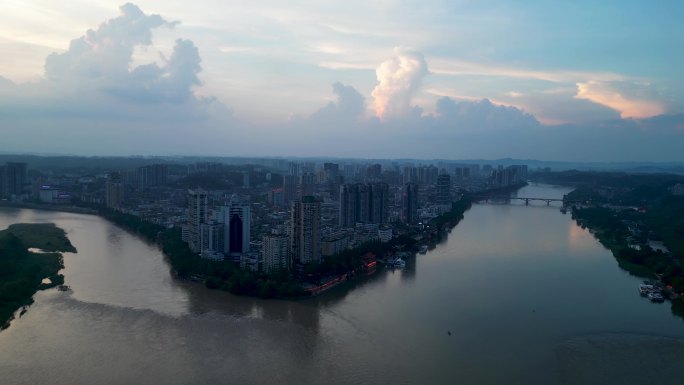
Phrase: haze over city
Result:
[572,81]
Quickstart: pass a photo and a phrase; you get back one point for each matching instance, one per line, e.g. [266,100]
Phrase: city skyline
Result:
[566,82]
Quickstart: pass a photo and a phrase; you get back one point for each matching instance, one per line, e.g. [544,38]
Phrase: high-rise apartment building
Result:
[304,238]
[114,190]
[13,179]
[443,189]
[276,255]
[153,175]
[289,188]
[363,203]
[198,208]
[378,203]
[410,204]
[212,240]
[306,185]
[236,218]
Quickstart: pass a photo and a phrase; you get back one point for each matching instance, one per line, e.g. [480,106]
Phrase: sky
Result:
[548,80]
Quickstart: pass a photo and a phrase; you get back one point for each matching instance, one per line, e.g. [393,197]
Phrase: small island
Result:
[23,272]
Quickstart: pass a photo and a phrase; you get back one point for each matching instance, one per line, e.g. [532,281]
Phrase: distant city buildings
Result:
[153,175]
[288,213]
[13,179]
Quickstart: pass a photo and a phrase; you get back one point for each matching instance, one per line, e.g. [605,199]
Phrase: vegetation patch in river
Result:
[22,272]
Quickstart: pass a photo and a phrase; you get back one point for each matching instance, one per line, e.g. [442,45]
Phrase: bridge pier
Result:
[527,202]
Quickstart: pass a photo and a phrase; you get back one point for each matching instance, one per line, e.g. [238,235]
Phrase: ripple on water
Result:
[623,359]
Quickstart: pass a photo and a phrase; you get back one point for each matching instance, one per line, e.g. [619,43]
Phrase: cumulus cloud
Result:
[172,82]
[632,100]
[350,105]
[398,80]
[482,115]
[101,60]
[93,98]
[106,52]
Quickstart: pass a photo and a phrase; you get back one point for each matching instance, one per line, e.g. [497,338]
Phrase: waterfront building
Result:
[385,234]
[212,240]
[335,243]
[197,215]
[13,179]
[114,190]
[275,254]
[236,218]
[305,224]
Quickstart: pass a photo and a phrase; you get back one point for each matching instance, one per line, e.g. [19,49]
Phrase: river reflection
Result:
[516,294]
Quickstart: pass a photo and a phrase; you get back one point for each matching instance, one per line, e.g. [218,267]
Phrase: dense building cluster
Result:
[268,214]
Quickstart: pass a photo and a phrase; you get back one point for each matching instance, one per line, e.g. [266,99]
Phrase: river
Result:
[515,295]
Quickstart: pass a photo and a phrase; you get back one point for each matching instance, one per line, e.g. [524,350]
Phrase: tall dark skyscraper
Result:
[13,179]
[444,189]
[410,204]
[379,203]
[289,188]
[236,218]
[363,203]
[348,203]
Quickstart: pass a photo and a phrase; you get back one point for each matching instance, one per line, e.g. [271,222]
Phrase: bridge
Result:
[527,200]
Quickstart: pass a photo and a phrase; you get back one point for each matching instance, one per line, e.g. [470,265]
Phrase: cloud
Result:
[93,98]
[481,115]
[171,83]
[106,52]
[350,105]
[454,67]
[398,79]
[632,100]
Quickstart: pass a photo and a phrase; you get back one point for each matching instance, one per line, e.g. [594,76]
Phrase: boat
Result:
[646,289]
[563,210]
[400,263]
[423,249]
[655,297]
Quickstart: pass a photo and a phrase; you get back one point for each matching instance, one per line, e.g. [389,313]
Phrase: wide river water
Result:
[516,295]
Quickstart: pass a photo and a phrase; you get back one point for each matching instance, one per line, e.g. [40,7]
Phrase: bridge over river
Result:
[527,200]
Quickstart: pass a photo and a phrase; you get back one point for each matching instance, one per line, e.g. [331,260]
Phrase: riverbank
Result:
[23,273]
[226,276]
[638,218]
[48,207]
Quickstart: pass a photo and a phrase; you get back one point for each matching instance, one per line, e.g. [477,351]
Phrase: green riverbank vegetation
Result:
[639,217]
[22,272]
